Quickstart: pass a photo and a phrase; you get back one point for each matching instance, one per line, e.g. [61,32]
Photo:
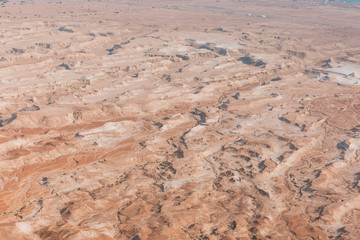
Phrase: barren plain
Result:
[204,119]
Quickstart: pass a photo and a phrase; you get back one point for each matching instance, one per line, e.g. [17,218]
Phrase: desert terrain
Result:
[204,119]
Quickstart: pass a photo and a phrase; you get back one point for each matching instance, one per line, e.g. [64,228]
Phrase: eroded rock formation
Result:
[179,120]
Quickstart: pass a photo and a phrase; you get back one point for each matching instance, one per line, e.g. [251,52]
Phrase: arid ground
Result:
[192,119]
